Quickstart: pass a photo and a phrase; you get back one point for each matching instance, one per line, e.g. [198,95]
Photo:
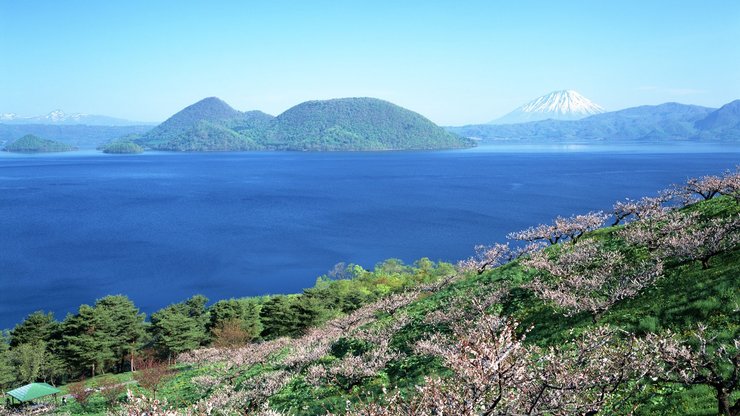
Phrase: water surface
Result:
[161,227]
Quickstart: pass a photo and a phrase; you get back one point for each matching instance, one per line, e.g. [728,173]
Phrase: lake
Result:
[160,227]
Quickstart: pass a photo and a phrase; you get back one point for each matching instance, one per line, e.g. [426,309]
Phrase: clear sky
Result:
[455,62]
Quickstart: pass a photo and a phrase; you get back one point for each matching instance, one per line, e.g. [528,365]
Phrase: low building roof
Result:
[33,391]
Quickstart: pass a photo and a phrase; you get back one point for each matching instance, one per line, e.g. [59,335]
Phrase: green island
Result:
[122,147]
[34,144]
[638,317]
[345,124]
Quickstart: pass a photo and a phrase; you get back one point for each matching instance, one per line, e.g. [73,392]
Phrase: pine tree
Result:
[88,340]
[127,327]
[245,311]
[175,332]
[37,326]
[308,312]
[181,327]
[278,318]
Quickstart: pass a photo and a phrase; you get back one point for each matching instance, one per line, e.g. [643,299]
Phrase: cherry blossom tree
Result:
[589,278]
[731,184]
[642,208]
[700,360]
[652,232]
[486,257]
[598,368]
[570,228]
[685,236]
[494,372]
[703,241]
[489,257]
[707,187]
[488,359]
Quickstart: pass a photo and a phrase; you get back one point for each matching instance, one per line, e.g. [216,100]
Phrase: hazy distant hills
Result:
[670,121]
[76,129]
[59,117]
[349,124]
[557,105]
[723,123]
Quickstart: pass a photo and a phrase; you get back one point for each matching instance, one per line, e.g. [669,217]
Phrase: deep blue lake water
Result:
[161,227]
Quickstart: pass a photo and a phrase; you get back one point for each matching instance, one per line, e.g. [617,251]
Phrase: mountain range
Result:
[373,124]
[59,117]
[669,121]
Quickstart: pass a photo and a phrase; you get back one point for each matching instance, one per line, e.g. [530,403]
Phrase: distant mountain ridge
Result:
[557,105]
[349,124]
[726,117]
[669,121]
[59,117]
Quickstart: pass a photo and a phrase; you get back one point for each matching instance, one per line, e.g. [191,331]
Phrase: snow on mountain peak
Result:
[60,117]
[557,105]
[56,115]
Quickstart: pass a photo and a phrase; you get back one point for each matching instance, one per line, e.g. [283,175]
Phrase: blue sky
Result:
[455,62]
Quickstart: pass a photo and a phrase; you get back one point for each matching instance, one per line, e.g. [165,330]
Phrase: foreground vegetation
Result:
[641,317]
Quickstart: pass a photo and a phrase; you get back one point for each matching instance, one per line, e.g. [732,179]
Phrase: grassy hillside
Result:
[34,144]
[639,319]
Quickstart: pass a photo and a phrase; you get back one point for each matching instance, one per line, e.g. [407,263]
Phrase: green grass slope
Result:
[283,373]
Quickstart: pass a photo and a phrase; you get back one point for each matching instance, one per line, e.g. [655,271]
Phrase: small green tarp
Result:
[33,391]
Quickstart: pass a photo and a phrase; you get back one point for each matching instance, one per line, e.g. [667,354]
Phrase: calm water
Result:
[162,227]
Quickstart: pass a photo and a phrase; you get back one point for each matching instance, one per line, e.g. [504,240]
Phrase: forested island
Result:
[122,147]
[345,124]
[571,317]
[34,144]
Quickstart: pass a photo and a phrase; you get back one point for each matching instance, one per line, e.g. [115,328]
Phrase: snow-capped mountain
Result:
[557,105]
[60,117]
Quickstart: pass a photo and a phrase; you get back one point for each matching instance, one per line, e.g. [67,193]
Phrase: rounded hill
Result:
[34,144]
[357,124]
[185,126]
